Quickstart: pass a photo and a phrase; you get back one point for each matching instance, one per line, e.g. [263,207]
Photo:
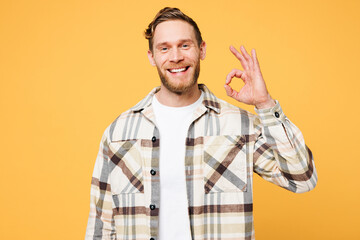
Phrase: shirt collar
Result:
[210,100]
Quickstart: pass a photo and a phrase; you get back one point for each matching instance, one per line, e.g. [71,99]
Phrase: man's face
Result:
[176,55]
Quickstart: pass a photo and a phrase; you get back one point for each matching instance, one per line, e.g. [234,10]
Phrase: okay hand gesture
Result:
[254,91]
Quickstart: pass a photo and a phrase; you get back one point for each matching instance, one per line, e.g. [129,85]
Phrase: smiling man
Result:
[179,164]
[176,53]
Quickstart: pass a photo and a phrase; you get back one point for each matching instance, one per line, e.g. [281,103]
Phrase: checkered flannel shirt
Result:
[224,146]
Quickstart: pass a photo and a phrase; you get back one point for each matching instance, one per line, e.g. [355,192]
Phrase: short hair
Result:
[167,14]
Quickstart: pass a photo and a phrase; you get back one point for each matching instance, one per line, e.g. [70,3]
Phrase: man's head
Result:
[175,48]
[167,14]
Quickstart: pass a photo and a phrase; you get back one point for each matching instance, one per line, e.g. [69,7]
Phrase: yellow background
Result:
[69,68]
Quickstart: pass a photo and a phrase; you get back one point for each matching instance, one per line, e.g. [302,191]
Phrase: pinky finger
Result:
[253,53]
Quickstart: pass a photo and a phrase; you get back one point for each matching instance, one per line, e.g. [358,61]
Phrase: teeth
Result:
[177,70]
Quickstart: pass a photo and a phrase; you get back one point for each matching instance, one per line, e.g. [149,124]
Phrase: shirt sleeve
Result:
[101,222]
[281,155]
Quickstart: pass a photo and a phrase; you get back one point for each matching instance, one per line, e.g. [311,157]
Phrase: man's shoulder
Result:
[122,117]
[230,109]
[126,125]
[221,106]
[121,126]
[234,120]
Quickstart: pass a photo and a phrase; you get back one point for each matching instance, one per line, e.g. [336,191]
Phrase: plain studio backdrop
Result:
[69,68]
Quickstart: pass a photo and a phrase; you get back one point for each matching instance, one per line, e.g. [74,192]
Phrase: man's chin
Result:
[180,88]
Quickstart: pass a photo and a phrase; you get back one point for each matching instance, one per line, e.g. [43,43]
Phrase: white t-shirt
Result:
[173,124]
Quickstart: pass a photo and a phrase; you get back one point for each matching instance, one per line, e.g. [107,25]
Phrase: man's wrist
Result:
[271,116]
[268,104]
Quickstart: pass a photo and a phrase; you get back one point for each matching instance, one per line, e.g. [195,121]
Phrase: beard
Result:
[182,87]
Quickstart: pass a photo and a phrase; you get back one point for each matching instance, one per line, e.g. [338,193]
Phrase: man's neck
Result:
[168,98]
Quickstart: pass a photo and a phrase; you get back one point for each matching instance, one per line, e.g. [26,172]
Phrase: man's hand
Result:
[254,91]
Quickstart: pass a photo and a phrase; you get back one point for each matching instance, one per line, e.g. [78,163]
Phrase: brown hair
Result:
[167,14]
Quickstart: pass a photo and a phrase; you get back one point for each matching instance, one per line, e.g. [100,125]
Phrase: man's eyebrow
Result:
[180,41]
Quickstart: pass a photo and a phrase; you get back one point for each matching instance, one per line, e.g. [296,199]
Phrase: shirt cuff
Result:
[271,116]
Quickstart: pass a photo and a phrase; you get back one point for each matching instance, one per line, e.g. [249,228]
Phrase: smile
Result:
[177,70]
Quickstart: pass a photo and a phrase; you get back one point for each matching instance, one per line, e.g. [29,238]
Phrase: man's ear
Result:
[202,50]
[151,58]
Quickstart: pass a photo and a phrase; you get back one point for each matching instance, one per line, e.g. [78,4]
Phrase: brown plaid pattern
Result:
[225,145]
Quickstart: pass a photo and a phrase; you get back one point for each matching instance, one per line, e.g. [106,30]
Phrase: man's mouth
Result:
[177,70]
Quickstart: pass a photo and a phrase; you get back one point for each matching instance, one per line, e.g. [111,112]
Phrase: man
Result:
[179,164]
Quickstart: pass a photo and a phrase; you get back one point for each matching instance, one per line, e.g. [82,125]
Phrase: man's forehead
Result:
[173,31]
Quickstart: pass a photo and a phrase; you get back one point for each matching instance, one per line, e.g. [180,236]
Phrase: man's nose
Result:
[176,55]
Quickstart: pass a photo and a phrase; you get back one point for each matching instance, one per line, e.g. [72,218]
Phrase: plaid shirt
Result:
[224,146]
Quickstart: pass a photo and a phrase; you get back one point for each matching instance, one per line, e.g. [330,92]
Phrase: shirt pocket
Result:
[225,164]
[126,175]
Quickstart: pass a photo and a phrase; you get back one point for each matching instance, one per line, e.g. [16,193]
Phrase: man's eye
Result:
[164,49]
[185,45]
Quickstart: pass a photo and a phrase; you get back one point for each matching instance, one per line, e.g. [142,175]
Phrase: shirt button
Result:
[152,206]
[152,238]
[277,114]
[152,172]
[153,139]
